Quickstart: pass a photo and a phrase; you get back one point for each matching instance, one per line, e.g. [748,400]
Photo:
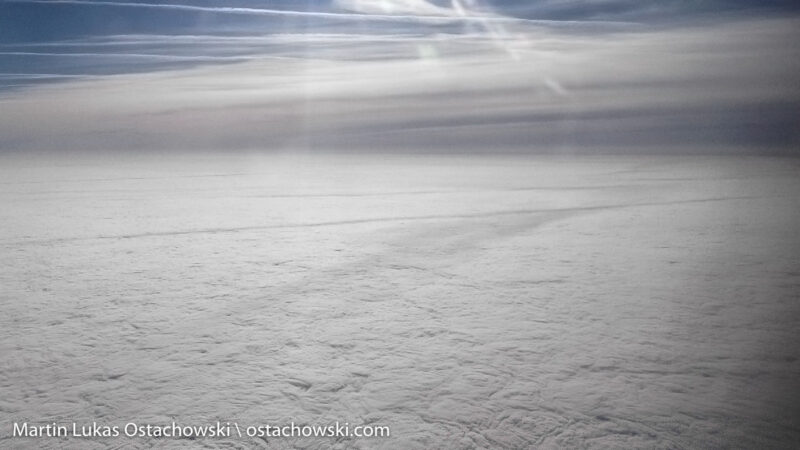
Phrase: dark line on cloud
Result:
[336,195]
[91,180]
[374,220]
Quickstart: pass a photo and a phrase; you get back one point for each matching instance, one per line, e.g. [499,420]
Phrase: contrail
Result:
[317,14]
[135,55]
[276,38]
[242,11]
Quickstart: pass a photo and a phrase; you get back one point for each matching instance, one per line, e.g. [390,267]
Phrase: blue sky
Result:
[505,75]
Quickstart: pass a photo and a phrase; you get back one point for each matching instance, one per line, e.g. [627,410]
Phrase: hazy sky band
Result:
[464,75]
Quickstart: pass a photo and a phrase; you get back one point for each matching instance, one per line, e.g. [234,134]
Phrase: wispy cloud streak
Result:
[132,55]
[425,16]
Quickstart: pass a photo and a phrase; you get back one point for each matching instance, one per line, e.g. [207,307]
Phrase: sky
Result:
[473,76]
